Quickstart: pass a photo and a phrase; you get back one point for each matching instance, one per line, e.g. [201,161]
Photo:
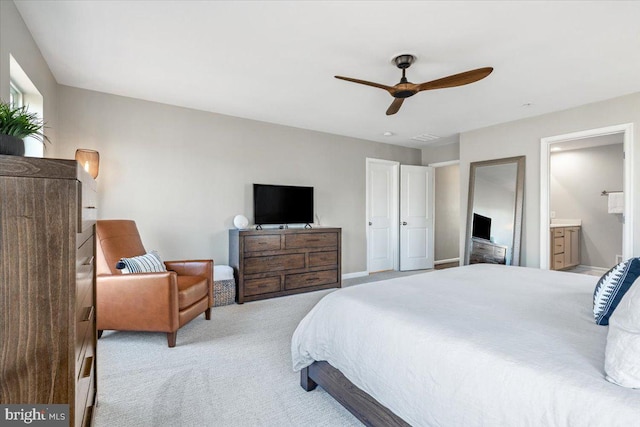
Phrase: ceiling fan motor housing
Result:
[404,89]
[404,93]
[404,61]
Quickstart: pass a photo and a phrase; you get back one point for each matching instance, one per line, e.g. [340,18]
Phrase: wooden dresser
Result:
[275,262]
[565,247]
[486,252]
[47,293]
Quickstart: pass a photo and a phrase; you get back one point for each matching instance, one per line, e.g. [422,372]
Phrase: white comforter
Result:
[481,345]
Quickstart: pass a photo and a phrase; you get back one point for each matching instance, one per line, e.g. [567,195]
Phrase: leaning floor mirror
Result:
[494,214]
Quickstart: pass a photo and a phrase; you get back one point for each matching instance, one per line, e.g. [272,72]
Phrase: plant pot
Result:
[11,145]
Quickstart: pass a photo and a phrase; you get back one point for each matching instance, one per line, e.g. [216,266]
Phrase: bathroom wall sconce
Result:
[89,160]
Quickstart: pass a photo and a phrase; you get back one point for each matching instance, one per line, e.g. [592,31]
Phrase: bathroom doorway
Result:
[585,204]
[578,232]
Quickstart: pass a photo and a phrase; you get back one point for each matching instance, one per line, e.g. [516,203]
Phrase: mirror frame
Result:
[517,220]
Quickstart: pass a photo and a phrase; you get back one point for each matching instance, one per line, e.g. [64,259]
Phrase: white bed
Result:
[480,345]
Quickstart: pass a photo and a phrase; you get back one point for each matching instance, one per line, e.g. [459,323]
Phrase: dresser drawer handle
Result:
[90,262]
[90,207]
[88,314]
[86,367]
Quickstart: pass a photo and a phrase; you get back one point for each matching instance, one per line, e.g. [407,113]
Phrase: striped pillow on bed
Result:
[611,288]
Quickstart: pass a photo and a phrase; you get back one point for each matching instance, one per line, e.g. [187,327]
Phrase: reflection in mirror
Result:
[494,215]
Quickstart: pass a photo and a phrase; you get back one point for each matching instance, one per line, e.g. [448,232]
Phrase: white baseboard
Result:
[366,273]
[446,261]
[354,275]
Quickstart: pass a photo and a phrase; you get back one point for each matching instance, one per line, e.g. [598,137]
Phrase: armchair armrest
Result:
[201,267]
[140,302]
[198,267]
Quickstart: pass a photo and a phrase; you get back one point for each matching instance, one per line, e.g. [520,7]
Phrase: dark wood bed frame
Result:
[364,407]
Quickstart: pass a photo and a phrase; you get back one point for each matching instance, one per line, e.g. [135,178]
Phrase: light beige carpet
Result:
[234,370]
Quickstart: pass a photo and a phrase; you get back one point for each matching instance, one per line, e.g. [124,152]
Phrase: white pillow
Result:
[222,272]
[622,354]
[148,263]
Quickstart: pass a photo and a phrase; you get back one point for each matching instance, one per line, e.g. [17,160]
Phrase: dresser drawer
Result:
[84,269]
[85,386]
[558,261]
[261,286]
[558,232]
[262,243]
[482,249]
[558,245]
[319,259]
[303,280]
[87,205]
[85,323]
[265,264]
[84,235]
[310,240]
[89,194]
[88,410]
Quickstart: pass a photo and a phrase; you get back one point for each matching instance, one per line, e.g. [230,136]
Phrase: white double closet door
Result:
[399,216]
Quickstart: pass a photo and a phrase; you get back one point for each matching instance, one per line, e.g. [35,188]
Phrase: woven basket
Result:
[224,292]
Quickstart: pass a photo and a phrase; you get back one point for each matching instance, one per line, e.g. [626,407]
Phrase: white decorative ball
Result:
[240,221]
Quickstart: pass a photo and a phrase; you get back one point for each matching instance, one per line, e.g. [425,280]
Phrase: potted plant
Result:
[16,123]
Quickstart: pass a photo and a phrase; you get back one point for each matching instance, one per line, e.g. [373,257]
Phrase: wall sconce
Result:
[89,160]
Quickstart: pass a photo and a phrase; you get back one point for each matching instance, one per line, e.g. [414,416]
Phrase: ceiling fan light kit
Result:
[405,89]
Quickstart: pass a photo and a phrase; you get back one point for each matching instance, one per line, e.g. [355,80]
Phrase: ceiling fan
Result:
[405,89]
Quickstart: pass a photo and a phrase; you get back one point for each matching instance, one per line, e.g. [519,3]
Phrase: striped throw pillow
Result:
[611,288]
[148,263]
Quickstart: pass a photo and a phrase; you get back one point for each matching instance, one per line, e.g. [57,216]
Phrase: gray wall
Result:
[447,212]
[447,198]
[16,40]
[522,137]
[577,179]
[184,174]
[443,153]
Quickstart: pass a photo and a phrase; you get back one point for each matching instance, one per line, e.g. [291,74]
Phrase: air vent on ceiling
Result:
[425,137]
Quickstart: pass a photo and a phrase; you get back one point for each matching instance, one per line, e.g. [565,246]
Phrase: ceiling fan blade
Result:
[395,106]
[364,82]
[456,79]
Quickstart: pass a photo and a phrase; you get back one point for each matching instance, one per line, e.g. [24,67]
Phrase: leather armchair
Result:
[155,302]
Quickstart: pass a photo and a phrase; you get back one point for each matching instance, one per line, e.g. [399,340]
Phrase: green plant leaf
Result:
[20,122]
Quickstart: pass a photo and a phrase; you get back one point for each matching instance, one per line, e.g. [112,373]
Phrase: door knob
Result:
[404,222]
[370,223]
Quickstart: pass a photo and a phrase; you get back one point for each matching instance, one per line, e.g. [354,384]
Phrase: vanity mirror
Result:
[494,213]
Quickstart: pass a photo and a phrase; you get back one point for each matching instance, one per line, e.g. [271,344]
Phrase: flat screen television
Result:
[481,227]
[282,204]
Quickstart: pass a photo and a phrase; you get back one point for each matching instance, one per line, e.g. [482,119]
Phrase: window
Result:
[23,93]
[15,96]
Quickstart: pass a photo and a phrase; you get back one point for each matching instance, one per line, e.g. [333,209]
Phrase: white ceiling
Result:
[275,61]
